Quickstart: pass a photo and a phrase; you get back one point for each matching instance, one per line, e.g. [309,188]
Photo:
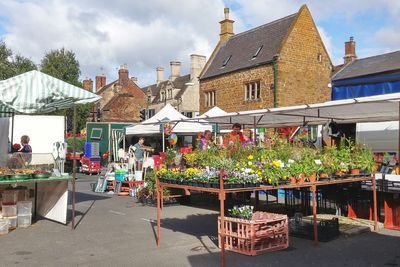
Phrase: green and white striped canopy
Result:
[34,92]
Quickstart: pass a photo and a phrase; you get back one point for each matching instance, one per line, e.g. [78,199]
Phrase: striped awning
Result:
[34,92]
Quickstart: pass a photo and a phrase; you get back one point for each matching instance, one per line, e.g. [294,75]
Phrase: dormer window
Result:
[226,61]
[257,52]
[169,94]
[162,96]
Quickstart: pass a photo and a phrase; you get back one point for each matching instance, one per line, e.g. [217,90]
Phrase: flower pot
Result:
[323,175]
[312,178]
[355,171]
[339,173]
[293,180]
[301,178]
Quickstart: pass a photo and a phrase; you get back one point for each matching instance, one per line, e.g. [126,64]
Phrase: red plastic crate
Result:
[265,232]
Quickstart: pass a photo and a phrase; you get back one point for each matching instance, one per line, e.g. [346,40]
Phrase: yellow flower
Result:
[250,157]
[259,173]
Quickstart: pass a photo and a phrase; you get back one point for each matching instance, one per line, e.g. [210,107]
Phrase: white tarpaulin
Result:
[362,109]
[167,114]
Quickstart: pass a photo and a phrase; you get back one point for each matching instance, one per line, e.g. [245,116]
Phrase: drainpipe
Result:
[274,61]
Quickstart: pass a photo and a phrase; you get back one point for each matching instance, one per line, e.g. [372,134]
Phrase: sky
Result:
[146,34]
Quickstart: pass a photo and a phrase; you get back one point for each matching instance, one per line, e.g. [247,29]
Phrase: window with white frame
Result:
[169,94]
[162,96]
[151,113]
[210,99]
[252,91]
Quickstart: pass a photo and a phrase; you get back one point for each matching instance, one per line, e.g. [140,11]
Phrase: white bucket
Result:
[138,175]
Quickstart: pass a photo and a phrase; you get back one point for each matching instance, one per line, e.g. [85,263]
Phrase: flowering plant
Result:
[242,212]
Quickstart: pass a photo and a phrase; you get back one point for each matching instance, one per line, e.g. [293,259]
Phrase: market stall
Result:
[37,93]
[366,109]
[181,125]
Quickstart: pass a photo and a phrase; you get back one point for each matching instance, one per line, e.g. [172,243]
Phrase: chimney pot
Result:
[123,75]
[160,74]
[350,50]
[100,81]
[88,85]
[175,70]
[226,27]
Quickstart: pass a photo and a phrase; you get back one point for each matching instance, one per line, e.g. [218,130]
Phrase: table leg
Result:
[314,204]
[257,196]
[375,203]
[35,196]
[158,213]
[222,214]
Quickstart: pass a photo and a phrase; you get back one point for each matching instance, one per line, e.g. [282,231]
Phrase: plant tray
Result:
[265,232]
[42,175]
[4,177]
[20,176]
[327,229]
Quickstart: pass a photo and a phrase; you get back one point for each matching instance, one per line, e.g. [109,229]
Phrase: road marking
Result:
[148,220]
[117,212]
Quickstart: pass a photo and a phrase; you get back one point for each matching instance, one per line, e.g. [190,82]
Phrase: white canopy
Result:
[167,114]
[215,111]
[362,109]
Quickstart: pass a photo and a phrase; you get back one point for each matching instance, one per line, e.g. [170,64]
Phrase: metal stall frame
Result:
[221,191]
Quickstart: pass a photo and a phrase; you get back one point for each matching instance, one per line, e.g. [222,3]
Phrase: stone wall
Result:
[230,89]
[304,67]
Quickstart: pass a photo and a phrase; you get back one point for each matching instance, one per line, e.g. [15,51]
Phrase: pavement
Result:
[118,231]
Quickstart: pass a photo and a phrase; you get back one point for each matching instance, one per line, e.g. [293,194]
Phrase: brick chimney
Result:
[197,63]
[175,70]
[349,51]
[160,74]
[88,85]
[226,27]
[123,75]
[100,81]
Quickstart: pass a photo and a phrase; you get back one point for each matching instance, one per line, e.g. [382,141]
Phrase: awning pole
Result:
[12,130]
[255,130]
[73,170]
[163,138]
[398,145]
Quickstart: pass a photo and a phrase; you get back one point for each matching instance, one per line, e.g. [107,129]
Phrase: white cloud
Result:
[103,34]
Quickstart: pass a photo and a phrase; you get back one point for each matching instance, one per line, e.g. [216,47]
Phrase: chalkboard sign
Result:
[101,185]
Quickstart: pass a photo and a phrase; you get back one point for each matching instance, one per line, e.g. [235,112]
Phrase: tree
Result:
[11,65]
[62,64]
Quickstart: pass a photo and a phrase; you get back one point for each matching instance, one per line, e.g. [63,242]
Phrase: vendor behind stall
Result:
[139,149]
[26,148]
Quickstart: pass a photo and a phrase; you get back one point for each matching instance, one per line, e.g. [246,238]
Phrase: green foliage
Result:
[80,144]
[62,64]
[12,65]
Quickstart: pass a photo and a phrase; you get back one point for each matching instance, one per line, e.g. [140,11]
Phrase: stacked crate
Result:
[265,232]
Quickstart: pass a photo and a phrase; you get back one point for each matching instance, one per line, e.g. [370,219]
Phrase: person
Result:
[248,137]
[139,149]
[205,140]
[236,134]
[26,148]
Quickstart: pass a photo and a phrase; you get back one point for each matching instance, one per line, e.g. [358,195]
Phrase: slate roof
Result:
[241,47]
[178,83]
[370,65]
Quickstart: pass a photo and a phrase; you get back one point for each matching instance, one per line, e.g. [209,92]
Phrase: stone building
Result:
[121,100]
[281,63]
[182,92]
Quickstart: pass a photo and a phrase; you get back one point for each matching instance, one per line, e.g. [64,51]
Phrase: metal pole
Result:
[222,216]
[255,130]
[314,203]
[12,130]
[398,145]
[158,212]
[375,205]
[73,170]
[163,137]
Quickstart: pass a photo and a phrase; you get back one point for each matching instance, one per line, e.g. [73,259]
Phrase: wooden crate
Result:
[265,232]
